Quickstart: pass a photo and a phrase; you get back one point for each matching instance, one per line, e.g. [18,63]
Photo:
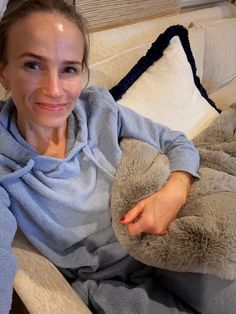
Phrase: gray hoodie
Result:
[63,205]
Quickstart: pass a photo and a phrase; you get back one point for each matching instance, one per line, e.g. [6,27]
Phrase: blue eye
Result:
[33,65]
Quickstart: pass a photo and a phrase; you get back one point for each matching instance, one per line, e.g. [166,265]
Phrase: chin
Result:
[51,123]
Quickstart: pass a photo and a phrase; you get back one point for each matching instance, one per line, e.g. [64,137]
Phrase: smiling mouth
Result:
[52,107]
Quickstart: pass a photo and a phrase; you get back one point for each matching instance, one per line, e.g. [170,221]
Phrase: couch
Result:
[39,286]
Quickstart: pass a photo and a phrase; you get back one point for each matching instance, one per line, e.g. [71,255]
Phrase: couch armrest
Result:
[40,285]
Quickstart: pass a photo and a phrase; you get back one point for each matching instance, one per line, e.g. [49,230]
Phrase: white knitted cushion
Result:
[168,92]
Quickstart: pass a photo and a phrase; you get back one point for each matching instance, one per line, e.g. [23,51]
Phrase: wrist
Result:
[181,183]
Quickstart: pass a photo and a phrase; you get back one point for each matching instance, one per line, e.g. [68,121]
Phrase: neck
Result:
[48,141]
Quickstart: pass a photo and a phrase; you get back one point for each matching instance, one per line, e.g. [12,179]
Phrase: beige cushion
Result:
[220,53]
[172,98]
[108,72]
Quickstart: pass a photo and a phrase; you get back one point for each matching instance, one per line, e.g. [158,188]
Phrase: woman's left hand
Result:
[154,213]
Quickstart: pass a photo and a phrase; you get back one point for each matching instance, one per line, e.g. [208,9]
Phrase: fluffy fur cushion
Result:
[203,237]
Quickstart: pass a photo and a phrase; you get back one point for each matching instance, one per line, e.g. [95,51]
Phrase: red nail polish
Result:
[122,219]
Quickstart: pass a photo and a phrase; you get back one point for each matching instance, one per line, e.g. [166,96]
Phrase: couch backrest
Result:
[115,51]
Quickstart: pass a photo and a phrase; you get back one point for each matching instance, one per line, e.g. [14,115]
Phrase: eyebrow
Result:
[34,55]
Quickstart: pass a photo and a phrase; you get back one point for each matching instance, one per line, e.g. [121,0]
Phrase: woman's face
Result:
[43,70]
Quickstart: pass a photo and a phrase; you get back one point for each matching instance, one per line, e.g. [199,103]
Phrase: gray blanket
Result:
[203,237]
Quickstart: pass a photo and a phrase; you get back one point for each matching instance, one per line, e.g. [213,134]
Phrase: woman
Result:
[59,151]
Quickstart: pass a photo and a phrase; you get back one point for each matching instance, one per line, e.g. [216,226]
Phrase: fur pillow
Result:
[203,237]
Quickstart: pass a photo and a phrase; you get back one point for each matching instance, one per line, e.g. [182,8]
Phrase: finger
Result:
[134,229]
[132,214]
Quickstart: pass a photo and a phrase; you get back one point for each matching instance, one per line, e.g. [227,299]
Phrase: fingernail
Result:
[122,219]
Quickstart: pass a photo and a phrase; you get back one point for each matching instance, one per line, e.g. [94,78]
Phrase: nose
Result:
[52,85]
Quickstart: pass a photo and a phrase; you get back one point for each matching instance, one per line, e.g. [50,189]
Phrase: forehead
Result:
[45,33]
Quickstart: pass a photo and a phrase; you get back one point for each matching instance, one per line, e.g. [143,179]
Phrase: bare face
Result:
[43,70]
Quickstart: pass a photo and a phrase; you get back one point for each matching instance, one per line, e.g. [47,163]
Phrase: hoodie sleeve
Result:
[8,262]
[182,154]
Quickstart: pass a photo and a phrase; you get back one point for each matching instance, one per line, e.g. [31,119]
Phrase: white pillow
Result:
[168,91]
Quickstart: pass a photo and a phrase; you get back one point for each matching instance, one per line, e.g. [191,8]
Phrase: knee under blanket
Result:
[203,237]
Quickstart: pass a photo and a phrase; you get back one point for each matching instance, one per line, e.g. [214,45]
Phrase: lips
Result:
[52,107]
